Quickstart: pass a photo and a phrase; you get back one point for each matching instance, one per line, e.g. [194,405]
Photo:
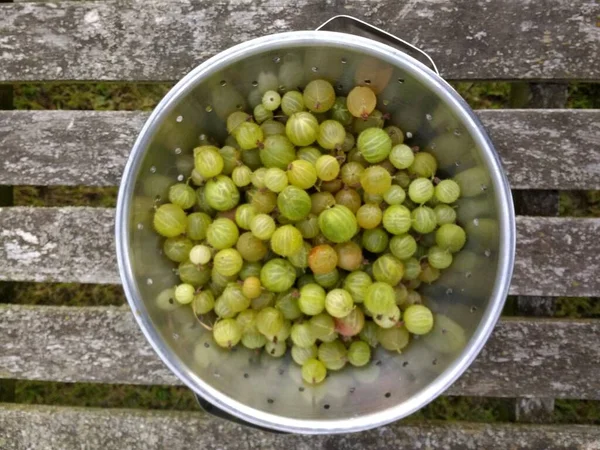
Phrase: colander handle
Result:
[395,40]
[211,409]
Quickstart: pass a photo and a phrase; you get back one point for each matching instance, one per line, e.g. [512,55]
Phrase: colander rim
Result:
[470,122]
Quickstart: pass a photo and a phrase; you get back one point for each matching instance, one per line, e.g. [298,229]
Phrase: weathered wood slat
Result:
[534,202]
[58,244]
[555,256]
[525,357]
[540,149]
[164,39]
[25,427]
[47,148]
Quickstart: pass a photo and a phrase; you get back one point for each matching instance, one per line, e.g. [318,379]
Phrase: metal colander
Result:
[466,300]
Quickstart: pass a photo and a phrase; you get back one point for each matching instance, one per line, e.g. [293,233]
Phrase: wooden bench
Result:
[544,150]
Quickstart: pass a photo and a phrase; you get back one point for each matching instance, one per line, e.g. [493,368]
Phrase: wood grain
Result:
[524,357]
[555,256]
[54,244]
[46,427]
[164,39]
[540,149]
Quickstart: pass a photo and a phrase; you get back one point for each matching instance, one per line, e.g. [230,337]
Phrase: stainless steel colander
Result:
[466,300]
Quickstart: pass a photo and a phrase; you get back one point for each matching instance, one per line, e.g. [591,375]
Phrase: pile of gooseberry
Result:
[310,230]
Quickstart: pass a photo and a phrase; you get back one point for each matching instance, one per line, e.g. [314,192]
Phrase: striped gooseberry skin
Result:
[418,319]
[299,259]
[333,355]
[328,280]
[248,135]
[182,195]
[374,144]
[339,303]
[227,333]
[228,262]
[276,179]
[313,371]
[375,240]
[241,176]
[287,303]
[340,112]
[262,226]
[193,274]
[402,156]
[235,119]
[221,193]
[294,203]
[376,180]
[424,165]
[380,298]
[338,224]
[278,151]
[302,174]
[420,190]
[319,96]
[439,258]
[286,240]
[450,237]
[395,195]
[359,354]
[357,284]
[302,128]
[327,167]
[395,134]
[302,336]
[250,247]
[244,214]
[269,321]
[263,200]
[393,339]
[331,135]
[321,201]
[310,154]
[170,220]
[444,214]
[231,158]
[222,233]
[271,127]
[352,324]
[177,248]
[397,219]
[292,102]
[200,254]
[388,269]
[369,216]
[309,227]
[278,275]
[261,114]
[301,355]
[412,269]
[403,246]
[351,172]
[312,299]
[447,191]
[423,220]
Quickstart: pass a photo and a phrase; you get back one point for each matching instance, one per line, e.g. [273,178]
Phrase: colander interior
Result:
[465,300]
